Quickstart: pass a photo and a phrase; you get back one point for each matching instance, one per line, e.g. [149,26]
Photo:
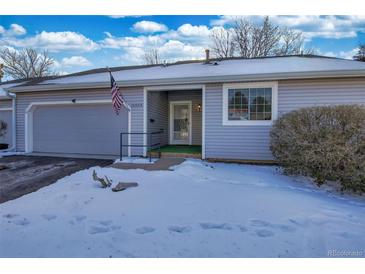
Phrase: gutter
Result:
[195,80]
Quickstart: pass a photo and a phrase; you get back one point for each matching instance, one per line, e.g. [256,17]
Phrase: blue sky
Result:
[85,42]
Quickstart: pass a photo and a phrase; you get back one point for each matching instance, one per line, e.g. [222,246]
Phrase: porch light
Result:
[199,108]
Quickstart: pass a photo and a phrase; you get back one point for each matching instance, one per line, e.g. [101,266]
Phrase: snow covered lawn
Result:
[198,210]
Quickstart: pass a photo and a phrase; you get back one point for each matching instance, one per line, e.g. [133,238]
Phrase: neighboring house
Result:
[6,110]
[227,106]
[6,116]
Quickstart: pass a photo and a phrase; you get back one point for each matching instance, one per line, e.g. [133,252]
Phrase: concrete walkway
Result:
[160,164]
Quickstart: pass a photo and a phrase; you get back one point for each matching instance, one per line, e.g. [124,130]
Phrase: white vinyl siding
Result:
[252,142]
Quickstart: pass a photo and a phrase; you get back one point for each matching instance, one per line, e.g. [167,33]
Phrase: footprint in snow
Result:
[79,218]
[98,229]
[86,202]
[299,222]
[49,217]
[115,227]
[144,230]
[259,223]
[284,228]
[179,229]
[220,226]
[265,224]
[106,222]
[22,222]
[10,216]
[242,228]
[264,233]
[100,226]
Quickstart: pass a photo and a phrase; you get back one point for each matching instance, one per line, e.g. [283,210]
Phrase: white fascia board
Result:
[195,80]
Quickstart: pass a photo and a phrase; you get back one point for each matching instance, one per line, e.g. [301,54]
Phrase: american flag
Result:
[117,98]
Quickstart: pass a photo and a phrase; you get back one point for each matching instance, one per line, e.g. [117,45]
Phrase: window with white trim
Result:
[249,103]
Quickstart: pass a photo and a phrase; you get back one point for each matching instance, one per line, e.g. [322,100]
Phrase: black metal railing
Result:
[149,145]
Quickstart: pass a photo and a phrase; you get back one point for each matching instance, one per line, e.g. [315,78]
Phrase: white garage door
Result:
[79,129]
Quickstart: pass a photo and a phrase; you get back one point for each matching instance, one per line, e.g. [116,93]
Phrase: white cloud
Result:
[56,41]
[132,55]
[129,41]
[190,30]
[324,26]
[108,34]
[341,54]
[186,42]
[76,61]
[171,51]
[174,50]
[16,29]
[149,27]
[117,16]
[123,16]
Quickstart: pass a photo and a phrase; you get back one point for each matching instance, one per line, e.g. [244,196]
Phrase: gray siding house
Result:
[226,106]
[7,114]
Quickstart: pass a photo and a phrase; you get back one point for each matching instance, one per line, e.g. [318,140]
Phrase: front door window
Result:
[180,123]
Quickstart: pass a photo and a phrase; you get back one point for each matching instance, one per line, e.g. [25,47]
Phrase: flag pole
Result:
[129,109]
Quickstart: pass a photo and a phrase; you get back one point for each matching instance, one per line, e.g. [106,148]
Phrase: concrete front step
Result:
[177,155]
[160,164]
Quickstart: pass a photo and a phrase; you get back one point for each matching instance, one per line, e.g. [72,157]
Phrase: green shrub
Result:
[326,143]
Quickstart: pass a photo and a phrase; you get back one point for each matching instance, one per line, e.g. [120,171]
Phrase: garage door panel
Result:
[86,129]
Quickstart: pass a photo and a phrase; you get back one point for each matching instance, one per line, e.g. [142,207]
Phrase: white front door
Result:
[180,122]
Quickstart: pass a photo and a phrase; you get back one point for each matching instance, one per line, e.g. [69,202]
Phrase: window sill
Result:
[248,123]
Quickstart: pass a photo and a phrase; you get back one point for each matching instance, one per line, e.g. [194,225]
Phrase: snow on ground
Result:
[136,160]
[198,210]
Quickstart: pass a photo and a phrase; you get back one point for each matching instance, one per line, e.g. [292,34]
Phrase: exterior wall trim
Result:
[6,109]
[32,106]
[203,122]
[145,112]
[190,120]
[274,103]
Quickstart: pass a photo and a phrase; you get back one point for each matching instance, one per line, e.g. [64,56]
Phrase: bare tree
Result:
[26,63]
[360,56]
[292,43]
[266,38]
[253,40]
[259,40]
[152,56]
[223,44]
[243,37]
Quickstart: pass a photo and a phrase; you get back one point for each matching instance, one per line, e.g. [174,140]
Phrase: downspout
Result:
[13,97]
